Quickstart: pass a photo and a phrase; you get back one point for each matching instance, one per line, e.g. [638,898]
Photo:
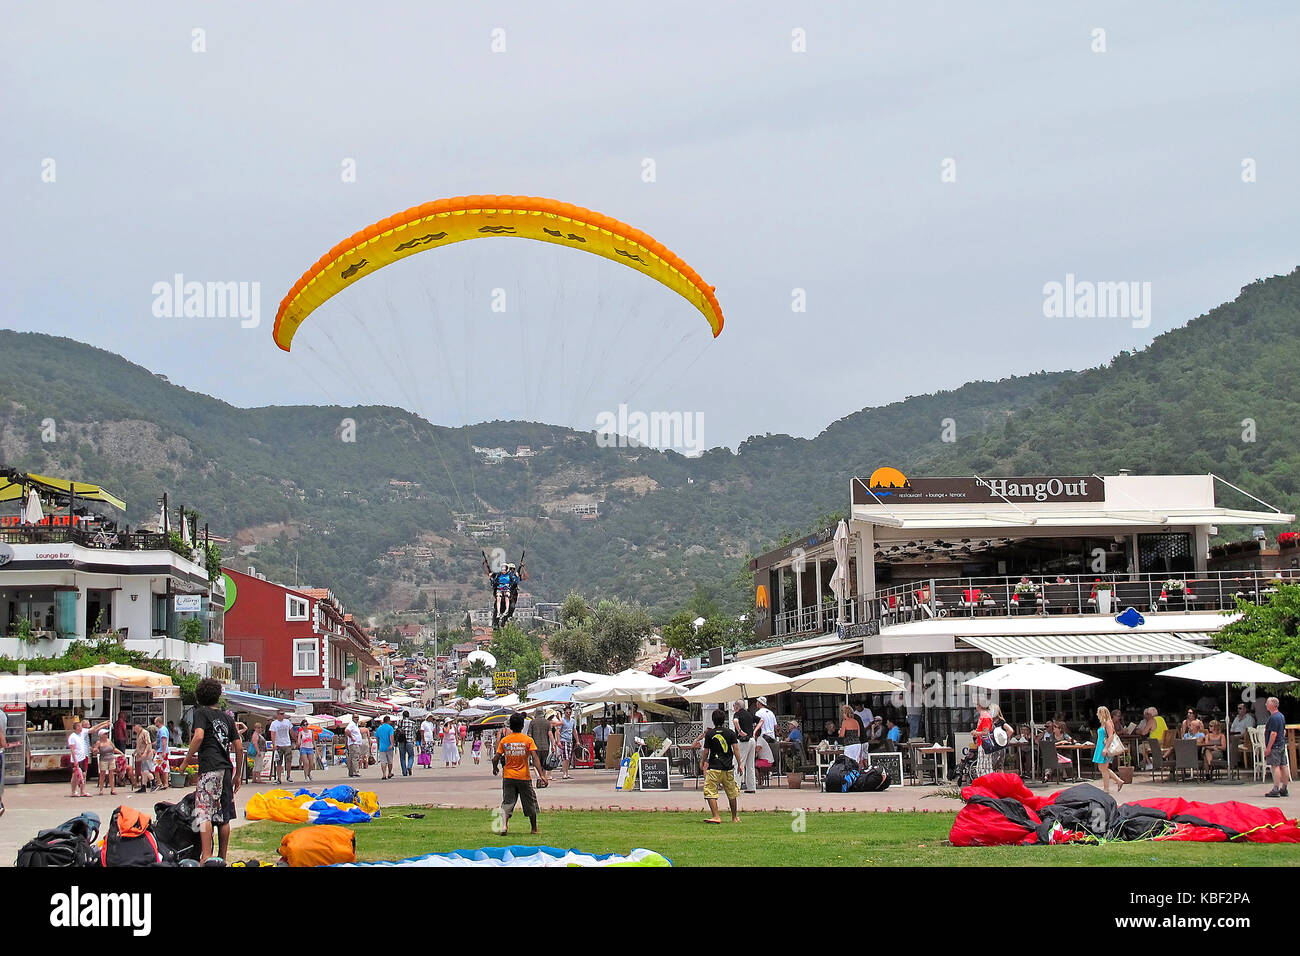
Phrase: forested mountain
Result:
[388,515]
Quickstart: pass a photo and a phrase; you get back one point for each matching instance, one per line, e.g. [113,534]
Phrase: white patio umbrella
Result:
[1031,674]
[1229,668]
[32,513]
[737,681]
[845,677]
[629,686]
[840,576]
[573,677]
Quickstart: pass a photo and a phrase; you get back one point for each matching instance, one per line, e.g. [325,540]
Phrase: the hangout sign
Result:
[888,487]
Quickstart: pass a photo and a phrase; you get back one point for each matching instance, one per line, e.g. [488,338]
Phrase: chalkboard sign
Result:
[652,774]
[892,764]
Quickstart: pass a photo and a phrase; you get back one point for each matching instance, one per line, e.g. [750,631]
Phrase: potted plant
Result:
[1175,593]
[1101,590]
[1026,598]
[1124,767]
[794,776]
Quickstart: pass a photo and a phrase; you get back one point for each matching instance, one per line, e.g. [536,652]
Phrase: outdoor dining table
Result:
[825,757]
[936,752]
[1078,749]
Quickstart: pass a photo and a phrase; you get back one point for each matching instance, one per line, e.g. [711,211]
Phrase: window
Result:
[295,608]
[248,674]
[305,660]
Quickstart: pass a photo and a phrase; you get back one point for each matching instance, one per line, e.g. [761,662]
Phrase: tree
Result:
[679,634]
[1267,633]
[605,639]
[517,651]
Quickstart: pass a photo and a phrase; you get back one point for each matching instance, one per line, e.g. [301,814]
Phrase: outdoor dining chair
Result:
[1187,757]
[1160,769]
[1052,764]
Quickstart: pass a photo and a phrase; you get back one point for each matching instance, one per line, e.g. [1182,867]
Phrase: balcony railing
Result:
[1048,594]
[804,620]
[85,537]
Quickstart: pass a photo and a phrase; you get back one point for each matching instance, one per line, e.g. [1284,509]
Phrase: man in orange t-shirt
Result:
[516,750]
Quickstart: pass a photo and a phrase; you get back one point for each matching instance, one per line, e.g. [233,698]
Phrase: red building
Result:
[295,642]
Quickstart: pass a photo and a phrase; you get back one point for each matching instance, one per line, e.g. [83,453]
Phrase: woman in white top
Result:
[450,745]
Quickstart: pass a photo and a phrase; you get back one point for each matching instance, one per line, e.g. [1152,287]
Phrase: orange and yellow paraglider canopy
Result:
[440,223]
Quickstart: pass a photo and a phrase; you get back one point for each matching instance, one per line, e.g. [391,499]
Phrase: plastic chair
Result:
[1258,771]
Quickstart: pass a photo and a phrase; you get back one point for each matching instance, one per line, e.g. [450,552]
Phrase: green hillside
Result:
[284,483]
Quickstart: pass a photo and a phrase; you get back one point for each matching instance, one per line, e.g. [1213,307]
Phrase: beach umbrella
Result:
[449,712]
[1230,669]
[573,677]
[1031,674]
[553,695]
[469,713]
[629,686]
[845,678]
[737,681]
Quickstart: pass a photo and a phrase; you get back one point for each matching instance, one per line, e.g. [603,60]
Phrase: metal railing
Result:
[85,537]
[804,620]
[1052,594]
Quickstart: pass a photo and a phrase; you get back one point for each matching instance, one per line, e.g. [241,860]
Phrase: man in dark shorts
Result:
[539,728]
[719,764]
[514,751]
[213,739]
[1275,754]
[742,723]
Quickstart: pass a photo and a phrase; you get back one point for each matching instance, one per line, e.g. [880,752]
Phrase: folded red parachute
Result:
[1001,810]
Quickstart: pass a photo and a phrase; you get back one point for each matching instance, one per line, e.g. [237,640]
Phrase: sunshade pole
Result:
[1033,741]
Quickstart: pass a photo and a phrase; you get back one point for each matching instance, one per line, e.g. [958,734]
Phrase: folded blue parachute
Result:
[525,856]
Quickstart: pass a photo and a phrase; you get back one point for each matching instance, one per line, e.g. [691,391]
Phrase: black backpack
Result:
[841,775]
[871,780]
[69,844]
[174,828]
[138,847]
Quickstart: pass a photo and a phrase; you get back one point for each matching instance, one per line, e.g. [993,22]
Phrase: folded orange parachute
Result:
[437,224]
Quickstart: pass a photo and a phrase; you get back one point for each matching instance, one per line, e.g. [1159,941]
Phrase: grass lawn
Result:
[762,839]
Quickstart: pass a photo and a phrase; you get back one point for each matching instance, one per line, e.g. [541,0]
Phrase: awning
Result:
[12,489]
[264,703]
[1156,647]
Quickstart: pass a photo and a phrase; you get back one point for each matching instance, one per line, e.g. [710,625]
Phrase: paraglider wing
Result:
[445,221]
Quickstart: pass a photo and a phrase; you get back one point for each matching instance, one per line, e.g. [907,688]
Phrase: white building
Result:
[70,584]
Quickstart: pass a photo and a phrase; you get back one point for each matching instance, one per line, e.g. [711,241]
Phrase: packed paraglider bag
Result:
[130,840]
[174,827]
[69,844]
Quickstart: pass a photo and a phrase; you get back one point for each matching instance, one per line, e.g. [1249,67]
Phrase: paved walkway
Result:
[34,806]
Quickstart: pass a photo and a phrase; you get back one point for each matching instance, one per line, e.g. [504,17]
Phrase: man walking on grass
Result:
[719,765]
[515,750]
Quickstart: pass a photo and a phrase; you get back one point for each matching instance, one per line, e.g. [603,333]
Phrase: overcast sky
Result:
[775,169]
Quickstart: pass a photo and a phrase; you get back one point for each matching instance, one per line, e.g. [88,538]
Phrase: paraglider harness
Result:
[505,588]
